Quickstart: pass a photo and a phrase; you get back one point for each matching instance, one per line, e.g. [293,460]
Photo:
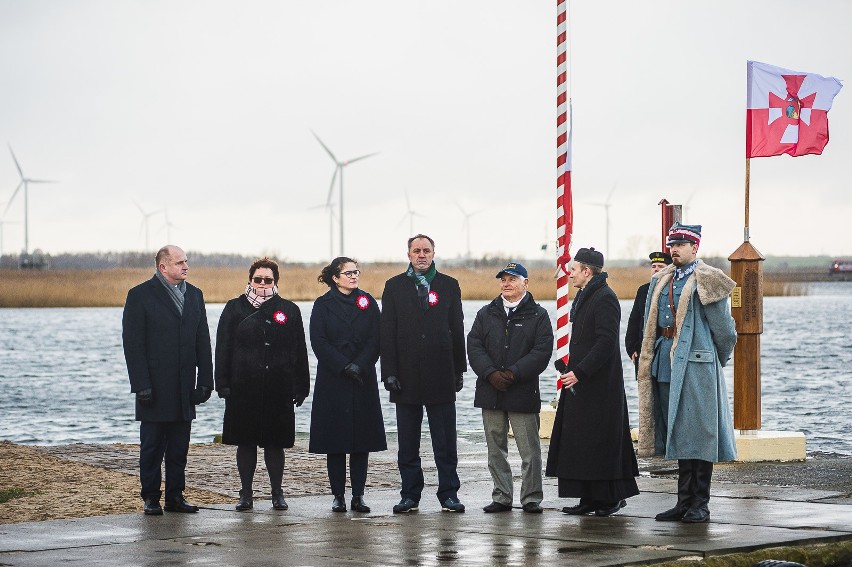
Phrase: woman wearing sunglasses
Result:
[346,415]
[261,372]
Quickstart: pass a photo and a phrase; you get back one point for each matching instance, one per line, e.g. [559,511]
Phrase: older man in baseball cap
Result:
[508,347]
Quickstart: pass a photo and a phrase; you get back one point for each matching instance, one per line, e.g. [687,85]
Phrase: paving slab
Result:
[310,534]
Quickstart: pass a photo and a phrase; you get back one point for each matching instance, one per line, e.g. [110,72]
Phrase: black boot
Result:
[685,476]
[358,505]
[278,502]
[339,504]
[246,501]
[699,511]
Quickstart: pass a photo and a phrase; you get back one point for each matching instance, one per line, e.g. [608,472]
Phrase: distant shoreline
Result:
[108,288]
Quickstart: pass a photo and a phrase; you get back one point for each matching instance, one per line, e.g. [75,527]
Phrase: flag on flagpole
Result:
[787,111]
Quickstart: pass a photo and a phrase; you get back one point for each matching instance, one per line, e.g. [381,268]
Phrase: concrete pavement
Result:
[744,517]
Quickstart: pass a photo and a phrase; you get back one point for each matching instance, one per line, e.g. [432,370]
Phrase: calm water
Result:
[63,378]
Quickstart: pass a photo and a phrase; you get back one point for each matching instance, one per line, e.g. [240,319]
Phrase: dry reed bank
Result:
[108,288]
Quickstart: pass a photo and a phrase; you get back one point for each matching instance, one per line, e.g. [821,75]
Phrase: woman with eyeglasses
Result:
[261,372]
[346,415]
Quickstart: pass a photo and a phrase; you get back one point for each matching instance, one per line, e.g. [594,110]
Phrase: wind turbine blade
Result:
[353,160]
[138,206]
[324,146]
[611,191]
[461,209]
[12,198]
[402,220]
[331,186]
[408,203]
[20,172]
[42,181]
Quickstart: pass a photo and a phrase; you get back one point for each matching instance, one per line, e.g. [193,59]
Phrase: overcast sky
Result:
[207,108]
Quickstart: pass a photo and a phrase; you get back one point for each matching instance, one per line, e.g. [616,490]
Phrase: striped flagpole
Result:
[564,208]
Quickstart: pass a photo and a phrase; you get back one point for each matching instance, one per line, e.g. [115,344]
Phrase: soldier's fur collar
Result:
[713,284]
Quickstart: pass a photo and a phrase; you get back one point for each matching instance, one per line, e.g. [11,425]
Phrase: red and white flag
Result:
[787,111]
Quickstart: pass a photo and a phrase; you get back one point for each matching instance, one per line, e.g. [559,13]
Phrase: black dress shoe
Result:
[180,504]
[358,505]
[697,515]
[610,509]
[339,504]
[672,515]
[495,507]
[246,501]
[579,509]
[406,505]
[533,508]
[278,502]
[152,507]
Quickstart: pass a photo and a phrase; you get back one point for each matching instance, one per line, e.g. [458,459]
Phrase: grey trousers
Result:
[525,429]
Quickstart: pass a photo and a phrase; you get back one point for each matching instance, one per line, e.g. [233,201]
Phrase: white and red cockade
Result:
[279,317]
[363,302]
[433,298]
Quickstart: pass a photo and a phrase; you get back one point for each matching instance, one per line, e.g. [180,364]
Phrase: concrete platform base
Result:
[759,445]
[548,414]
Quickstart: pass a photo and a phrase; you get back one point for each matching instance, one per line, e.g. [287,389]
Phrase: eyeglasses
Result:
[351,273]
[259,280]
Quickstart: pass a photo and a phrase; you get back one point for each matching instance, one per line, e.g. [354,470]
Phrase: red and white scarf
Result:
[257,297]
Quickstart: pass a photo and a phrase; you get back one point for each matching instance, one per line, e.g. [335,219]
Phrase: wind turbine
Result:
[25,183]
[686,205]
[606,204]
[466,224]
[3,224]
[409,214]
[168,226]
[338,168]
[145,217]
[330,207]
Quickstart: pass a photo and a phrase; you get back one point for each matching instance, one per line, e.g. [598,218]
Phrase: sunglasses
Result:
[351,273]
[259,280]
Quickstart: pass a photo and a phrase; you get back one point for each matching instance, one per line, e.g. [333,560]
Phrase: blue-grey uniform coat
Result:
[699,416]
[165,350]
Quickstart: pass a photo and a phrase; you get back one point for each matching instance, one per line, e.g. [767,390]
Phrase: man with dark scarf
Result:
[166,339]
[423,359]
[591,451]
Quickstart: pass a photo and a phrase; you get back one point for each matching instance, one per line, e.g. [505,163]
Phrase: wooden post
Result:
[747,309]
[668,215]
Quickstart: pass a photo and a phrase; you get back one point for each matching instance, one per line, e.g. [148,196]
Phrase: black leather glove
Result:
[353,372]
[459,382]
[299,400]
[499,380]
[145,397]
[392,384]
[201,394]
[223,393]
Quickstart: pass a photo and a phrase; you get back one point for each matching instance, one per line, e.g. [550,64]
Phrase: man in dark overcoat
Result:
[509,346]
[170,365]
[635,326]
[591,451]
[422,361]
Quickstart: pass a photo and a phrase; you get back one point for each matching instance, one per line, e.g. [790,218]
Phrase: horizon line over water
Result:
[64,378]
